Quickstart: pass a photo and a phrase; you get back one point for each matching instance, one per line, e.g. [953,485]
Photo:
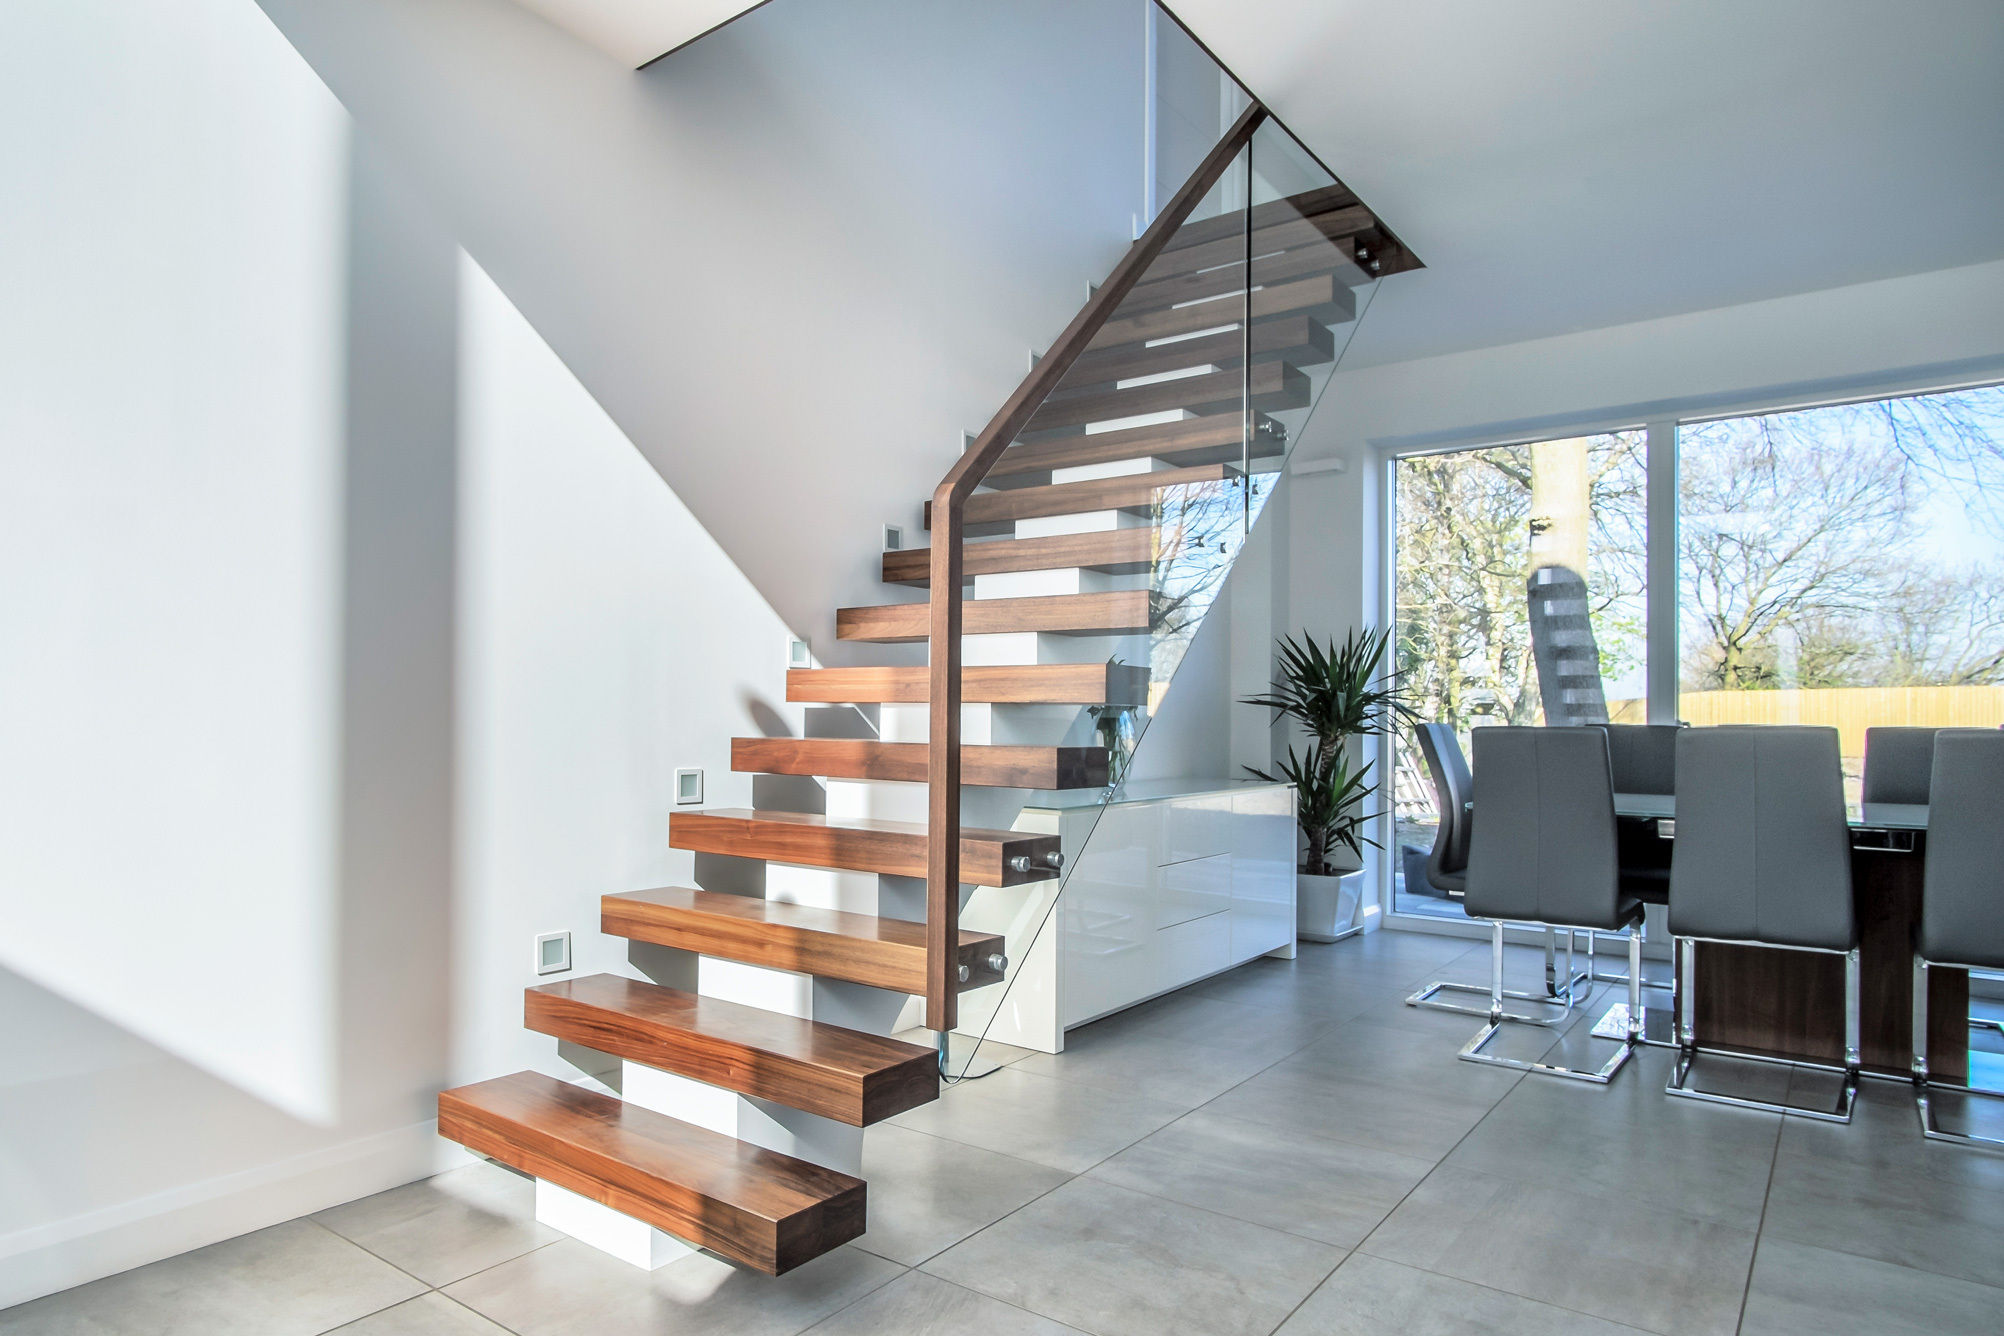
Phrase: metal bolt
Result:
[1019,863]
[965,974]
[998,962]
[1055,858]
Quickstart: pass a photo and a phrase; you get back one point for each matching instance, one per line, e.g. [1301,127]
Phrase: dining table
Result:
[1787,1004]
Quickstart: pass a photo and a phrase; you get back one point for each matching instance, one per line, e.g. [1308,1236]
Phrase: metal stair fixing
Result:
[1076,546]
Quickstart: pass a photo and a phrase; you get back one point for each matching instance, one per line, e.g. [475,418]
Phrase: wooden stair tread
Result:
[1120,551]
[1114,612]
[1127,491]
[756,1206]
[1295,339]
[842,1074]
[1323,296]
[897,848]
[1273,386]
[1205,440]
[829,943]
[1331,260]
[1014,767]
[1307,204]
[1040,683]
[1330,230]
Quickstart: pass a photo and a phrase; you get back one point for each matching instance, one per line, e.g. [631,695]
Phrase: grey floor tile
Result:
[927,1193]
[1627,1141]
[1369,1296]
[1149,1063]
[916,1304]
[427,1315]
[1802,1289]
[1365,1113]
[446,1228]
[1193,1017]
[1058,1123]
[1874,1188]
[1321,1189]
[1392,1055]
[294,1279]
[1118,1263]
[569,1289]
[1625,1262]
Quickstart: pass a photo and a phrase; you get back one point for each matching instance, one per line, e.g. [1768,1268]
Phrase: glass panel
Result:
[1139,481]
[1844,566]
[1472,528]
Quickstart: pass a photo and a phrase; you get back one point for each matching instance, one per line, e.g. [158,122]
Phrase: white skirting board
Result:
[56,1256]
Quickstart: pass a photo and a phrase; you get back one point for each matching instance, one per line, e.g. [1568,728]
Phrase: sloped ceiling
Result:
[634,32]
[1563,165]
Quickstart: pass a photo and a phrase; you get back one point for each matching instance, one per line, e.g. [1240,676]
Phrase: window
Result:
[1471,529]
[1840,565]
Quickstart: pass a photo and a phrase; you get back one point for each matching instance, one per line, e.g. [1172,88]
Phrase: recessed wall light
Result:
[688,787]
[553,952]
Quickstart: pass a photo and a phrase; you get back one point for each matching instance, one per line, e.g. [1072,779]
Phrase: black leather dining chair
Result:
[1447,868]
[1762,858]
[1962,893]
[1545,854]
[1899,764]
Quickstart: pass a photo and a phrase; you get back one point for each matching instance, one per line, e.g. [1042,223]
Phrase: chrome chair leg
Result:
[1931,1127]
[1564,996]
[1472,1051]
[1688,1050]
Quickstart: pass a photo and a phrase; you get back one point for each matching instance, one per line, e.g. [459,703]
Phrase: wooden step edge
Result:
[846,1075]
[1126,491]
[758,1207]
[829,944]
[1003,767]
[1322,296]
[1297,339]
[1112,551]
[895,848]
[1273,387]
[1109,613]
[1028,684]
[1206,440]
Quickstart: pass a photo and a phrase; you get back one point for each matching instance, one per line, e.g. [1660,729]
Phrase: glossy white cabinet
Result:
[1165,888]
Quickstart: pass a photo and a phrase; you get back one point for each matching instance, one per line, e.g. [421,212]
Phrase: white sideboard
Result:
[1168,884]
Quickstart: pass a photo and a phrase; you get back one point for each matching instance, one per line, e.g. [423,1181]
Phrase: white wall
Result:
[1883,337]
[348,645]
[794,260]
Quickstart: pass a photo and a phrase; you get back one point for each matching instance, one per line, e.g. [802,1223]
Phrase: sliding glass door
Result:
[1471,530]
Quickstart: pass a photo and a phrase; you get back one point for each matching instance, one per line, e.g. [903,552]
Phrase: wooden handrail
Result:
[949,499]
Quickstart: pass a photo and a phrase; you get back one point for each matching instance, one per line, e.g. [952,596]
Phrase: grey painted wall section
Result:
[793,261]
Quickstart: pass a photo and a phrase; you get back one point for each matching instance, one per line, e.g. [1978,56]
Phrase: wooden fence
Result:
[1850,710]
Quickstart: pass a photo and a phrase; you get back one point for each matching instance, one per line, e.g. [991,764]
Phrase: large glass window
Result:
[1472,530]
[1845,566]
[1841,565]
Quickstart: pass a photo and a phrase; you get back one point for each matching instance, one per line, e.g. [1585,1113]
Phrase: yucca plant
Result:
[1335,692]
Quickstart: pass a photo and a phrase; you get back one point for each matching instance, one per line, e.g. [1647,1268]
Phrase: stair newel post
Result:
[942,869]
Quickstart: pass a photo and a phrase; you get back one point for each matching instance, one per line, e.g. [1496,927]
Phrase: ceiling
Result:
[634,32]
[1562,165]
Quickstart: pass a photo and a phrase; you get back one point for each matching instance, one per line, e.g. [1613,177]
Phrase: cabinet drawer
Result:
[1191,889]
[1196,827]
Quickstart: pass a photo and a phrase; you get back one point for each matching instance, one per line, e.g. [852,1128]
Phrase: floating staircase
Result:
[1173,397]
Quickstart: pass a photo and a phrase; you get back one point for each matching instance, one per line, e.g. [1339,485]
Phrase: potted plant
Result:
[1337,693]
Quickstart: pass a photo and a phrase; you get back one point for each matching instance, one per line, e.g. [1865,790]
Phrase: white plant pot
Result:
[1325,908]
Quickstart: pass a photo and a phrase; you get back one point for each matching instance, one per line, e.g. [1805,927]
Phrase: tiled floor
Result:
[1286,1148]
